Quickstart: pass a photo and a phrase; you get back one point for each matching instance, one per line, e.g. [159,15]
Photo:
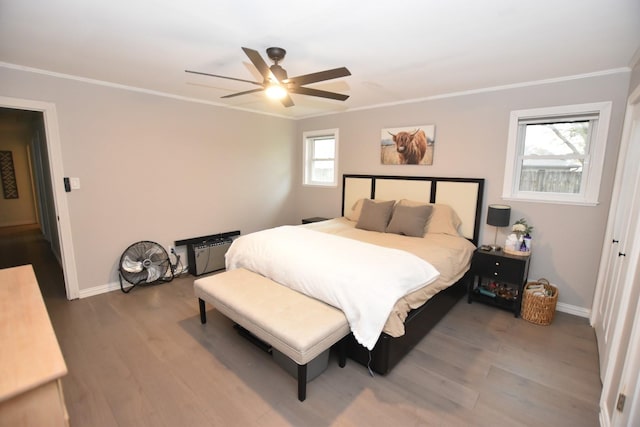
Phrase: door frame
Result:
[54,151]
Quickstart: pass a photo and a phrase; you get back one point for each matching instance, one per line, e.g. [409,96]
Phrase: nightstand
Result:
[498,279]
[313,219]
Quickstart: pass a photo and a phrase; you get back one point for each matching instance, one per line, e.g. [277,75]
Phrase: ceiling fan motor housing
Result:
[276,54]
[279,72]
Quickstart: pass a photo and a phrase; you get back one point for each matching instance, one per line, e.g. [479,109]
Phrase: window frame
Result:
[593,158]
[308,138]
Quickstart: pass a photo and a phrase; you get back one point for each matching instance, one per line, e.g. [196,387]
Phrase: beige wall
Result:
[155,168]
[471,140]
[162,169]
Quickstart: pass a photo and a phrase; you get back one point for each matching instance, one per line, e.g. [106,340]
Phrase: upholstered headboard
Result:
[464,195]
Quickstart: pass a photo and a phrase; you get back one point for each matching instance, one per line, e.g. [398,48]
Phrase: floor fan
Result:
[144,262]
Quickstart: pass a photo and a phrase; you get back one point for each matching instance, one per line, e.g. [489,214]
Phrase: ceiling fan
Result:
[277,84]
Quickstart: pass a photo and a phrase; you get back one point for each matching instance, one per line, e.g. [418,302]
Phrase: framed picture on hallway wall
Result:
[409,145]
[8,175]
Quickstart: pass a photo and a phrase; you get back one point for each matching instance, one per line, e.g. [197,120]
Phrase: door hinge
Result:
[620,404]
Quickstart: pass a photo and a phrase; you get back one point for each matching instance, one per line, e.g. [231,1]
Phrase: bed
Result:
[451,207]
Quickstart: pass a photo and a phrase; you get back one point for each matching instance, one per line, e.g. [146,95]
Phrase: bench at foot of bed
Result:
[296,325]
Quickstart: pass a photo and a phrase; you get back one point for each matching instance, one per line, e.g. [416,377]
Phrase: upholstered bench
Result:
[296,325]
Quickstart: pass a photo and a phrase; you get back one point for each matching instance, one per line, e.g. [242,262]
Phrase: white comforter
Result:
[361,279]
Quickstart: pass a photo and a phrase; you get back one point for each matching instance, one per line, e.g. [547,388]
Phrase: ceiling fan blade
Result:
[222,77]
[320,76]
[258,62]
[287,101]
[319,93]
[246,92]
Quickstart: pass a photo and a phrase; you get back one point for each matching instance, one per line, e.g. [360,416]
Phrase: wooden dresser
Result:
[31,363]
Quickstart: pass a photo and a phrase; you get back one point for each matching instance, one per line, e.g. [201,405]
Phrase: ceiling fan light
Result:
[275,91]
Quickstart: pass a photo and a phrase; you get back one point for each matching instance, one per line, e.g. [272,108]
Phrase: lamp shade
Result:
[499,215]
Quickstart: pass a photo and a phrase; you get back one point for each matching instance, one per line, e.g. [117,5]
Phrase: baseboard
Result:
[605,420]
[114,286]
[17,223]
[97,290]
[573,309]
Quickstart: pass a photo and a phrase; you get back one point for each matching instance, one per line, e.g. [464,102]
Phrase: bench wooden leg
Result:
[342,352]
[203,313]
[302,382]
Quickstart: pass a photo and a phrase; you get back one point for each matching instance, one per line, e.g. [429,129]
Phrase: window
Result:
[556,154]
[321,158]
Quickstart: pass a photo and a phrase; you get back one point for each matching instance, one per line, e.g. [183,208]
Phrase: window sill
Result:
[320,185]
[551,201]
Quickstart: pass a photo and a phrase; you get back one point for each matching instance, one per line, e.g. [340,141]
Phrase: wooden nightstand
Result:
[313,219]
[498,279]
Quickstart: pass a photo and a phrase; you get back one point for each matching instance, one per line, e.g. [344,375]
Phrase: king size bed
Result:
[431,221]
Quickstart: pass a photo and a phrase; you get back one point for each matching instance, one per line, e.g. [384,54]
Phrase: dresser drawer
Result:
[504,269]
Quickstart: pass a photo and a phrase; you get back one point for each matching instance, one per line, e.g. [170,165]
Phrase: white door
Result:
[621,374]
[613,265]
[630,380]
[618,292]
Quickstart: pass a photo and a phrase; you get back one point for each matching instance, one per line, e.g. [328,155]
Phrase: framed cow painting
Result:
[410,145]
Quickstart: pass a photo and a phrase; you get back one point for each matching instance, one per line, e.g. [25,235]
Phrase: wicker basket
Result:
[539,309]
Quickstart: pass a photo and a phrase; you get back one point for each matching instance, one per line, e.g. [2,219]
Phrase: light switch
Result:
[75,183]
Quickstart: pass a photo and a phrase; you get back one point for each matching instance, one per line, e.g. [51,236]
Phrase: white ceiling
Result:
[396,51]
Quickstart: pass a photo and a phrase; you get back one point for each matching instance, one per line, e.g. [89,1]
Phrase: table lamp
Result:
[498,216]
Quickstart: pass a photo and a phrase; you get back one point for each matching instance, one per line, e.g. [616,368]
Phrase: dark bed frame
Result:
[389,351]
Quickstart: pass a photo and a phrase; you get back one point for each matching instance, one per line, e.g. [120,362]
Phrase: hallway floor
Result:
[25,244]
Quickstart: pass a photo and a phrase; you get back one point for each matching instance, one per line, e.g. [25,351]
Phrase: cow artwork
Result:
[408,146]
[411,147]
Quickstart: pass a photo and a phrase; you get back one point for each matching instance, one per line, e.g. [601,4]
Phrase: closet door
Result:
[610,286]
[630,381]
[618,290]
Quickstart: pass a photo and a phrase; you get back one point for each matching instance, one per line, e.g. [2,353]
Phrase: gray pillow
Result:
[409,220]
[375,215]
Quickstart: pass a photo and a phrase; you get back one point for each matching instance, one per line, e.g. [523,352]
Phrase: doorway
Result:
[46,173]
[26,203]
[18,204]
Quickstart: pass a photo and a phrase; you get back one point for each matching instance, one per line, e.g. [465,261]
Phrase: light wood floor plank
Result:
[453,357]
[557,374]
[533,403]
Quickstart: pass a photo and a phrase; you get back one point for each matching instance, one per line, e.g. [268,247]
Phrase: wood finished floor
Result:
[144,359]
